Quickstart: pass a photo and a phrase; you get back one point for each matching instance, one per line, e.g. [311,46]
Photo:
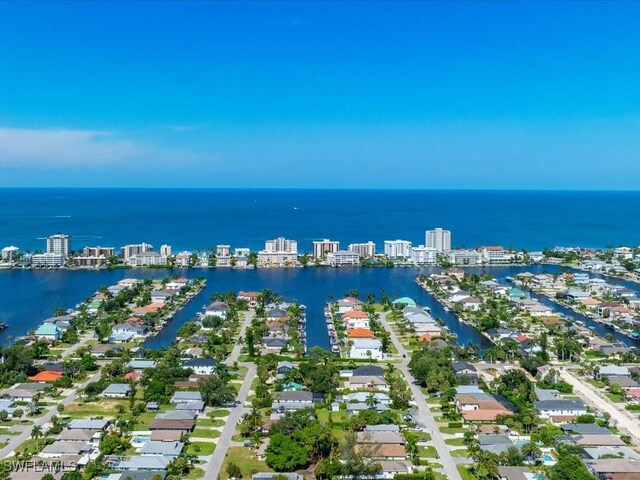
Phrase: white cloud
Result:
[65,147]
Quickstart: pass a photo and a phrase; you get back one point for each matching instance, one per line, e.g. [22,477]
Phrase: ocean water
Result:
[197,219]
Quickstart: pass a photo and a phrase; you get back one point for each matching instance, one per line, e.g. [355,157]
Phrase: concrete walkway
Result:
[425,416]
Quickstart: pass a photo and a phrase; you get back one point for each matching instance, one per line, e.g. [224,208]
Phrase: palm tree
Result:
[36,434]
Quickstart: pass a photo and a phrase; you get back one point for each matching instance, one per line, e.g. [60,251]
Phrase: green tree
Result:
[233,470]
[285,454]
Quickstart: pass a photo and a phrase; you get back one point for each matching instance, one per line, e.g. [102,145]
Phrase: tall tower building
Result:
[59,244]
[321,248]
[439,239]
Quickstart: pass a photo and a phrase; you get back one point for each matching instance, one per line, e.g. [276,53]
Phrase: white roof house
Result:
[370,348]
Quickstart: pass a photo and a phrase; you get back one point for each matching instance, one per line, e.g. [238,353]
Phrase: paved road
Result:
[622,418]
[235,352]
[215,464]
[224,441]
[17,440]
[425,417]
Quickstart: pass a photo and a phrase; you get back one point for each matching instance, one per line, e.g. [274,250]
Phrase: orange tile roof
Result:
[427,337]
[384,450]
[484,415]
[354,314]
[46,376]
[135,376]
[360,333]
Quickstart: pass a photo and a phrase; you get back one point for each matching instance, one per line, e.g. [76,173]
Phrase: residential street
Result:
[17,440]
[622,419]
[224,442]
[424,413]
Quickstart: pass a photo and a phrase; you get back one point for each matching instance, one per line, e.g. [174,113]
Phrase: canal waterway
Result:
[30,296]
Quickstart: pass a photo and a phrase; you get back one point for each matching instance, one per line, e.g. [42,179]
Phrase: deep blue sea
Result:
[196,219]
[193,219]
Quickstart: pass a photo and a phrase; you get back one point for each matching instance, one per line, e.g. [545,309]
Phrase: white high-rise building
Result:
[165,250]
[321,248]
[129,250]
[8,253]
[364,250]
[439,239]
[60,244]
[422,255]
[281,245]
[397,249]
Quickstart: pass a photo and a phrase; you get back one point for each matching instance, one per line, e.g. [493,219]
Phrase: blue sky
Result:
[312,94]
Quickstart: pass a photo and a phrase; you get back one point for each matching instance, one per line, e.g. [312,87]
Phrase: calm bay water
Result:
[198,219]
[31,296]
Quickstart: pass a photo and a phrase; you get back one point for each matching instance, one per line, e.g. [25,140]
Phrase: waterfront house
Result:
[129,329]
[273,344]
[404,302]
[348,304]
[177,283]
[367,349]
[117,390]
[217,309]
[48,331]
[359,333]
[277,315]
[470,303]
[200,366]
[250,297]
[161,296]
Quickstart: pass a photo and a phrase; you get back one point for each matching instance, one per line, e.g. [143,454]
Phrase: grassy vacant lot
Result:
[205,433]
[456,442]
[427,452]
[201,448]
[246,460]
[210,423]
[96,409]
[219,413]
[466,474]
